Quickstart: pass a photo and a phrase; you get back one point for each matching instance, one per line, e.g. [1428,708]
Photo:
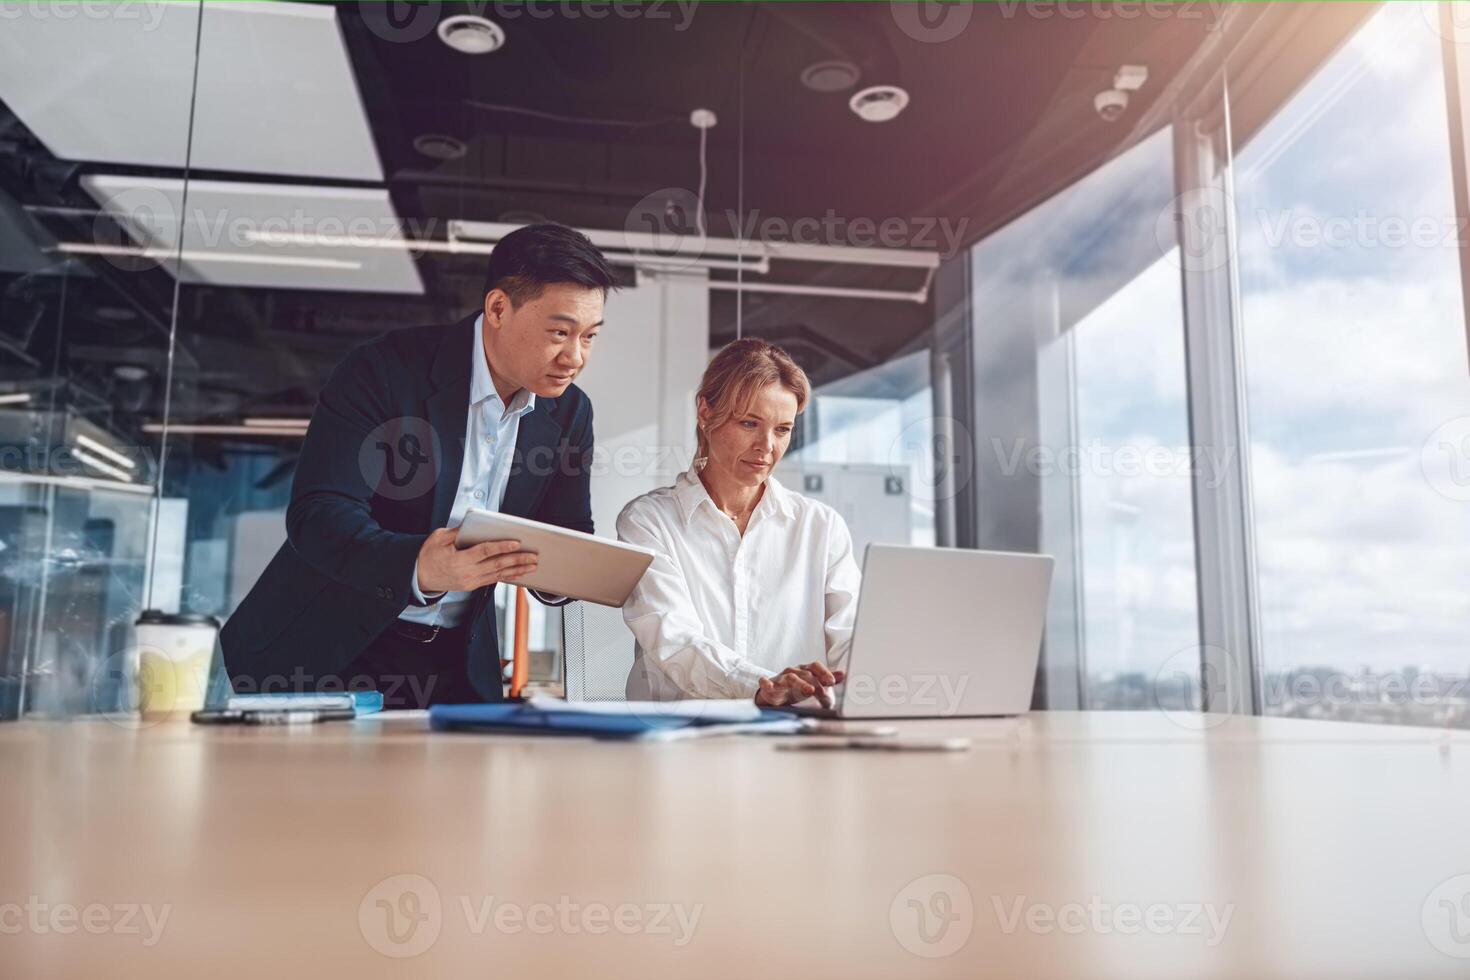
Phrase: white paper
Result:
[699,709]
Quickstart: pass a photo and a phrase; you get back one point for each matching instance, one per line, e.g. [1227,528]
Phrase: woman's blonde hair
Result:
[737,373]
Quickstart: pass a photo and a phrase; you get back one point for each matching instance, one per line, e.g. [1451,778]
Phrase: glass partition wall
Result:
[87,301]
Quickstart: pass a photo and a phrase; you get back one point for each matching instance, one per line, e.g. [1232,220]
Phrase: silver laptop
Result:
[942,633]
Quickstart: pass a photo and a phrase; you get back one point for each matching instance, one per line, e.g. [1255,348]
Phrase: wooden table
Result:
[1064,845]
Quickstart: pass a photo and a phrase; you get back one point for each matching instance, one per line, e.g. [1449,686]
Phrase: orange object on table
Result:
[520,670]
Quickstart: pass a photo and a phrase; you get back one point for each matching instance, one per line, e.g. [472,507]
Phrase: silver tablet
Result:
[571,563]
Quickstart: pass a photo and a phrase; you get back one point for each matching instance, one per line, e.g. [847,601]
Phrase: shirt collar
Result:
[483,387]
[689,492]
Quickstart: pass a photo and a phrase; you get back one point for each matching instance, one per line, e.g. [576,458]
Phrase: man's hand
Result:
[797,684]
[444,568]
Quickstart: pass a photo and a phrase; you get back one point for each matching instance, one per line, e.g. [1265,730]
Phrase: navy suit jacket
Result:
[378,471]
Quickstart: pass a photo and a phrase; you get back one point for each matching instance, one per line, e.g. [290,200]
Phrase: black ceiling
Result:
[578,118]
[1009,82]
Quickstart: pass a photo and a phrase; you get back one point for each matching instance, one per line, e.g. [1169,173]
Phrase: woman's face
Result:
[746,448]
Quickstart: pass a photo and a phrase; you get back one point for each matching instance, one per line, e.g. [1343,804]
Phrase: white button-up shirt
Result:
[716,611]
[489,448]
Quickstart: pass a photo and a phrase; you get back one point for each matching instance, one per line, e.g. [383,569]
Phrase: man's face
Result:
[543,344]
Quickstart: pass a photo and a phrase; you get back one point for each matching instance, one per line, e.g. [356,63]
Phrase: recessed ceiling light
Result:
[830,76]
[438,146]
[471,34]
[879,103]
[129,372]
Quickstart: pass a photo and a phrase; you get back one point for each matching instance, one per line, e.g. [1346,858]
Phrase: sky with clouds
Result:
[1355,354]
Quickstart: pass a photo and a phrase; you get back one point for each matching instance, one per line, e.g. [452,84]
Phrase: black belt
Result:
[418,632]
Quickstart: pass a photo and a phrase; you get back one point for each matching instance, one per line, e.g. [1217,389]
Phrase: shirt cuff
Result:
[418,594]
[745,679]
[547,599]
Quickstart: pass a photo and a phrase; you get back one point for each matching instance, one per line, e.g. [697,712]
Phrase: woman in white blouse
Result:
[753,588]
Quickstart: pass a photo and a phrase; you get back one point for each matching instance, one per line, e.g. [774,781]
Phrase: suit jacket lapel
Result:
[535,459]
[448,409]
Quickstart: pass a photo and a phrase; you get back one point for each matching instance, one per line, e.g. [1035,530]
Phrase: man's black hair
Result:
[536,256]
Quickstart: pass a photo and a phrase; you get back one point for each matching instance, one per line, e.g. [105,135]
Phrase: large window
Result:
[1082,297]
[1359,398]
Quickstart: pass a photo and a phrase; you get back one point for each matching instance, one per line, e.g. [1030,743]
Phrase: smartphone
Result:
[235,716]
[879,744]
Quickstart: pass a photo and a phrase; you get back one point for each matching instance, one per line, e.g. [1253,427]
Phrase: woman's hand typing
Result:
[797,684]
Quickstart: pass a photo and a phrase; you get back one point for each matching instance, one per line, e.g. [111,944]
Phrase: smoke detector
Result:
[880,103]
[437,146]
[471,34]
[830,76]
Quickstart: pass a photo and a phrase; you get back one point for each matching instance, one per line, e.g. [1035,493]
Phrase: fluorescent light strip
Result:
[224,430]
[100,466]
[87,442]
[278,423]
[195,255]
[20,398]
[75,482]
[280,238]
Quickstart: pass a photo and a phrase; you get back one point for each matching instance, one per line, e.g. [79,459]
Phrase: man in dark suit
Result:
[411,430]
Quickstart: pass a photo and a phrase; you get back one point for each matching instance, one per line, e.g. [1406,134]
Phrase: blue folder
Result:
[522,719]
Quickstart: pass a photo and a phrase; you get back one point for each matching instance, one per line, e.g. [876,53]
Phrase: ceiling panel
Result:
[277,236]
[277,93]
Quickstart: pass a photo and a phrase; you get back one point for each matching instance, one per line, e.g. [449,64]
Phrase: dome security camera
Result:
[1110,104]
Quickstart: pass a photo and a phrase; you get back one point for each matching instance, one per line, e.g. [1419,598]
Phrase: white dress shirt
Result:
[716,611]
[489,448]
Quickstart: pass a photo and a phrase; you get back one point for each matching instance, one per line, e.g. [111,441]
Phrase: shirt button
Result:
[479,495]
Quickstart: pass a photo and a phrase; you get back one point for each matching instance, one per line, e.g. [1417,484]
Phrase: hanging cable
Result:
[703,180]
[740,201]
